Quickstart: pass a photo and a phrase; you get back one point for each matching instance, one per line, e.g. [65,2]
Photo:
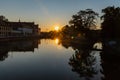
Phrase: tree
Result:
[82,22]
[111,22]
[2,18]
[84,19]
[68,31]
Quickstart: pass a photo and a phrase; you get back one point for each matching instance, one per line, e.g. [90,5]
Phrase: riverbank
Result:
[19,38]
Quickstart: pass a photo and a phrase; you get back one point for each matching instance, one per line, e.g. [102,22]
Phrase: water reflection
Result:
[95,60]
[110,59]
[17,46]
[83,65]
[84,60]
[57,41]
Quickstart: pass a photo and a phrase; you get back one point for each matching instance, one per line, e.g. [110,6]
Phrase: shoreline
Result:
[18,38]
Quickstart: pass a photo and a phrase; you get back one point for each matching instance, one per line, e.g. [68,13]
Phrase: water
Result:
[48,60]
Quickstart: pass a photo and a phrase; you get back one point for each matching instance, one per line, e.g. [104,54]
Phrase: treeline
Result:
[84,24]
[3,18]
[111,22]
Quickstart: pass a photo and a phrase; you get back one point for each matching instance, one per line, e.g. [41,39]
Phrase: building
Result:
[18,29]
[5,29]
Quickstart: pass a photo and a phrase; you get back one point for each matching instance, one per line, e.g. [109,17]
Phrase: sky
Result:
[50,13]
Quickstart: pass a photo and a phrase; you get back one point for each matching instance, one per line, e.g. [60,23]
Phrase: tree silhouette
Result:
[81,23]
[84,19]
[2,18]
[111,22]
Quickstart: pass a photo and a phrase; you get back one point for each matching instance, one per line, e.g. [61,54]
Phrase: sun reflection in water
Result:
[57,41]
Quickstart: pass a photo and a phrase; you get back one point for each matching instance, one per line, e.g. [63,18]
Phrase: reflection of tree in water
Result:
[83,61]
[111,60]
[83,65]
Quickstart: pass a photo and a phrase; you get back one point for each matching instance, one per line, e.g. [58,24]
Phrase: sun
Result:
[57,28]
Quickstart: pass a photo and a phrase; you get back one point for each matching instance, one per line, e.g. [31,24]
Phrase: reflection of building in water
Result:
[21,46]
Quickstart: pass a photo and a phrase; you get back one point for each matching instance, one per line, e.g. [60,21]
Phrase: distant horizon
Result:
[48,13]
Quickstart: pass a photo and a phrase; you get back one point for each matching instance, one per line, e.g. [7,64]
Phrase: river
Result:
[46,59]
